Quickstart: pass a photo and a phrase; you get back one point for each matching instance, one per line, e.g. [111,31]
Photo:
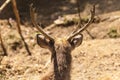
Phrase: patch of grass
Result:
[113,33]
[2,77]
[75,20]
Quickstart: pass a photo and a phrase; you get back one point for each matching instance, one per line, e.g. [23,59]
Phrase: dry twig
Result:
[18,24]
[4,4]
[2,45]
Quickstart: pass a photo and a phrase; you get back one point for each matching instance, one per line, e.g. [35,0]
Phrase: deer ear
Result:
[42,41]
[76,41]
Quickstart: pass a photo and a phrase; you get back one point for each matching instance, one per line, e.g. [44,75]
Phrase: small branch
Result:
[18,25]
[4,4]
[16,15]
[78,8]
[2,45]
[92,37]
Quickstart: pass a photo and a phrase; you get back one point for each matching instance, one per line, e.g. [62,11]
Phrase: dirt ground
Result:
[95,59]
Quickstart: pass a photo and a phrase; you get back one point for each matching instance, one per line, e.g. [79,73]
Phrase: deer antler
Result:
[35,24]
[85,26]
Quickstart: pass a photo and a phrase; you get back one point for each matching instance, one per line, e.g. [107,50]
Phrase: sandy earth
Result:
[95,59]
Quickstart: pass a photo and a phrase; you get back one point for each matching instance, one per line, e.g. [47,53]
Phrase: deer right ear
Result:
[76,40]
[42,41]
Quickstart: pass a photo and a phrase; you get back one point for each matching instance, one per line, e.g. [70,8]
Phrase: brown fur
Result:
[61,62]
[60,49]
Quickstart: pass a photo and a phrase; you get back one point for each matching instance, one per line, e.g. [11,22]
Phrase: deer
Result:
[60,48]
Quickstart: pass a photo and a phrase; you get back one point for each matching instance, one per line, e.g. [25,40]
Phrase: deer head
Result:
[73,40]
[61,47]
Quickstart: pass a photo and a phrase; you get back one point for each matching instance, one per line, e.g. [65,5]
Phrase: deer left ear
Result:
[76,41]
[42,41]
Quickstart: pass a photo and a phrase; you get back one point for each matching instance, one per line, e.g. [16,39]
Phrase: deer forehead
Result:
[61,41]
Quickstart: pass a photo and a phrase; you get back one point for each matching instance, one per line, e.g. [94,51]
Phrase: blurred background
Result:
[97,58]
[49,10]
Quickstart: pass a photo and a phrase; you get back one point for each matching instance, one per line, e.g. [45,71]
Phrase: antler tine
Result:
[85,26]
[32,11]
